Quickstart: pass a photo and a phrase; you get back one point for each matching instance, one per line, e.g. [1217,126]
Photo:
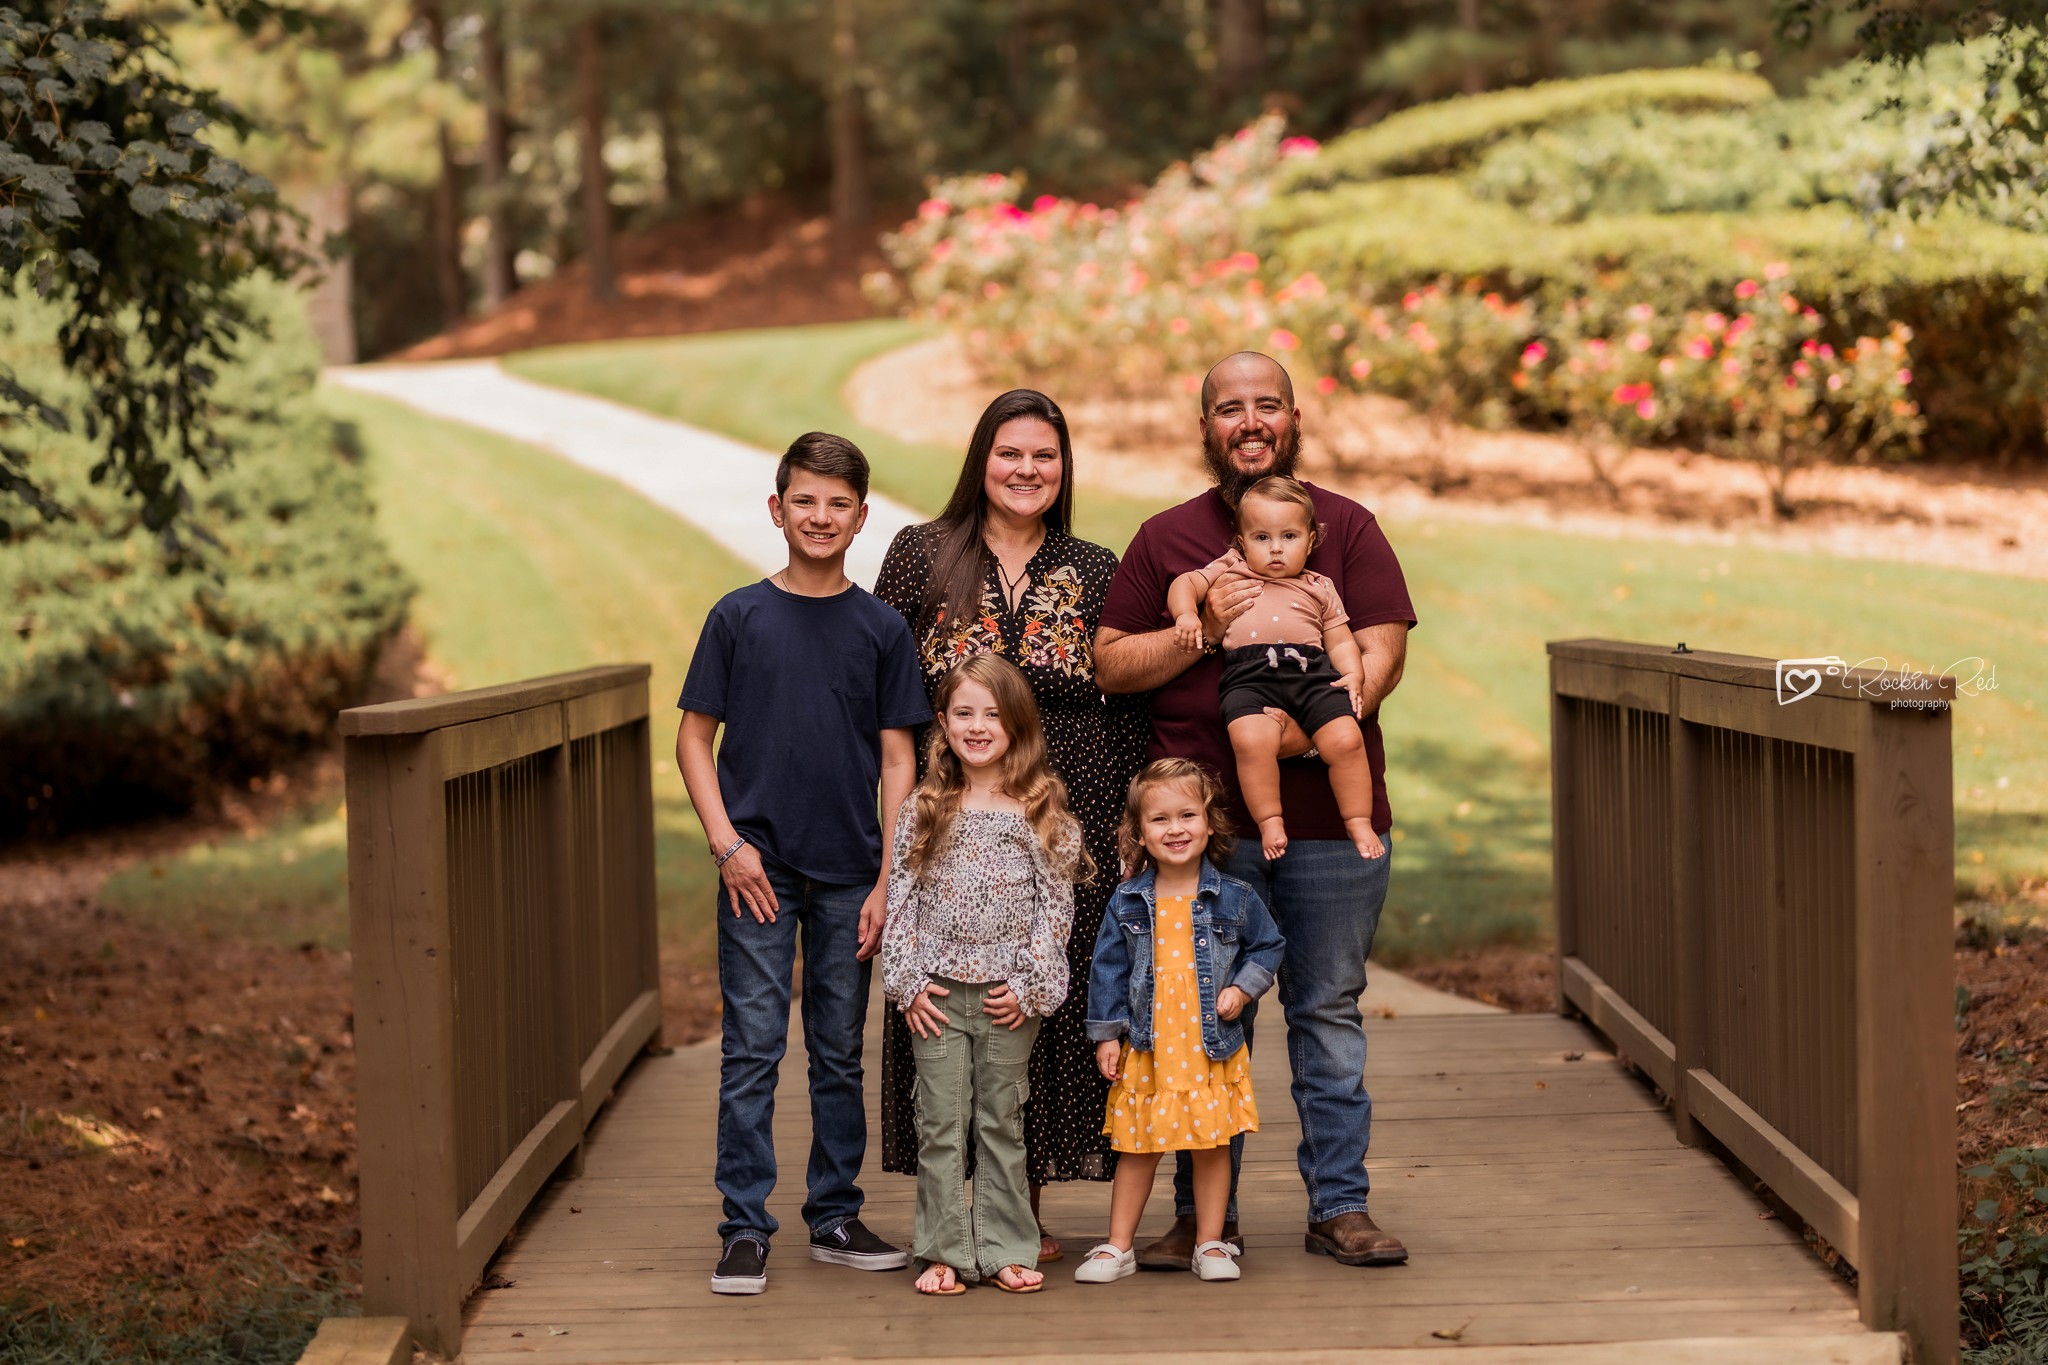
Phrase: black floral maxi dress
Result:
[1096,745]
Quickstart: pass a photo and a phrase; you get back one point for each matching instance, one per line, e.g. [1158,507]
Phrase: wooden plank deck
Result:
[1544,1201]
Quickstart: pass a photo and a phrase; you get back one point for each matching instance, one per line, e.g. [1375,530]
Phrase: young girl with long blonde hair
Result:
[1183,949]
[981,900]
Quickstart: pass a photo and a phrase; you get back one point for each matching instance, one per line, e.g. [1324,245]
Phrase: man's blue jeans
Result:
[754,965]
[1327,901]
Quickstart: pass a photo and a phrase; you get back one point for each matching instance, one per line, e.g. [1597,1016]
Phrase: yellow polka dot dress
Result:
[1176,1098]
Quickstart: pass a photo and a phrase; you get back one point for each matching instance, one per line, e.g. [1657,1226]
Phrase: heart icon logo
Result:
[1799,679]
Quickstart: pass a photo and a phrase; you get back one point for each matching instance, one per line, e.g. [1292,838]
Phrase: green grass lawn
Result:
[1468,733]
[527,565]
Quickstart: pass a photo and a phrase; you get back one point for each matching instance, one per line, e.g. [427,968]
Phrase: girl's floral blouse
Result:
[989,908]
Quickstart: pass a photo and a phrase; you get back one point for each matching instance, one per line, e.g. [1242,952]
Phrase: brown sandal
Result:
[952,1286]
[997,1280]
[1049,1248]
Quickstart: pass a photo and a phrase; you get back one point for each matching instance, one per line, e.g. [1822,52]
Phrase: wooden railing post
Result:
[1564,797]
[1905,1063]
[404,1026]
[561,1002]
[1688,918]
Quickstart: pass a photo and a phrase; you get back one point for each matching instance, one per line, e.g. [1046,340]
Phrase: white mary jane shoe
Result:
[1106,1264]
[1223,1267]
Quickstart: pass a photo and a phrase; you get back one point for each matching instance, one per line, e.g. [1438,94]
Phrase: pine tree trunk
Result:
[495,178]
[597,207]
[1240,49]
[850,211]
[445,234]
[1018,46]
[668,121]
[1468,19]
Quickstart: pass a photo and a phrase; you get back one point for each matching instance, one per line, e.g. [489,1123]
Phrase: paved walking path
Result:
[713,482]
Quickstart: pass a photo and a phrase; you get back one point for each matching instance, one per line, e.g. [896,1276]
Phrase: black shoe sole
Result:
[1323,1246]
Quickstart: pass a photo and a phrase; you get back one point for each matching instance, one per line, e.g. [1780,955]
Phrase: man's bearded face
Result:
[1241,453]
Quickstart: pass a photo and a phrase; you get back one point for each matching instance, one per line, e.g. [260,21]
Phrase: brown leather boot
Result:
[1176,1249]
[1354,1239]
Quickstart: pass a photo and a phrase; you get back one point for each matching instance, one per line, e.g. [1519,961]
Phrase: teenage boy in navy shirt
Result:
[816,683]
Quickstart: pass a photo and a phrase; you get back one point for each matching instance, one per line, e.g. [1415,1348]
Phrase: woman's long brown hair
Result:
[1026,775]
[960,556]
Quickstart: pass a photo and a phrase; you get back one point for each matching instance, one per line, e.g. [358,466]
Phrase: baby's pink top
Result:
[1289,611]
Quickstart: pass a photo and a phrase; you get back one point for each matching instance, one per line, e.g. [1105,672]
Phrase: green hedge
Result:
[1969,290]
[125,687]
[1448,134]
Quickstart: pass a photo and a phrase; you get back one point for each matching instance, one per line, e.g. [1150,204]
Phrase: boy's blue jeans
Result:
[1327,901]
[754,965]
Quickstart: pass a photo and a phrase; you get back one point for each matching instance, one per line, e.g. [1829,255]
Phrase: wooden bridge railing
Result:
[1755,902]
[501,904]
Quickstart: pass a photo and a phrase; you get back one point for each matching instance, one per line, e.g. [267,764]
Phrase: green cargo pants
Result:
[975,1072]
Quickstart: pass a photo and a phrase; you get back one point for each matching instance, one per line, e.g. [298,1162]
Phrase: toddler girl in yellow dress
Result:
[1168,1038]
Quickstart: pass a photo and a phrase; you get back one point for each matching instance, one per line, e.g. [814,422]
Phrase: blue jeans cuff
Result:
[1229,1213]
[1315,1217]
[760,1239]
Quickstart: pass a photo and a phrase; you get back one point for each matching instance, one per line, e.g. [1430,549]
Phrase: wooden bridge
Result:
[1752,1065]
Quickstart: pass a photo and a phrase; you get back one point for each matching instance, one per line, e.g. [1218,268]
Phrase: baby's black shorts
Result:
[1296,678]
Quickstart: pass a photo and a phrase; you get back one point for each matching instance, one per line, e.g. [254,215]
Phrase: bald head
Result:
[1254,367]
[1249,426]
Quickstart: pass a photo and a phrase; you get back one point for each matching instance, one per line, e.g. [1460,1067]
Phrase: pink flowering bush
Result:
[1604,381]
[1108,299]
[1759,381]
[1127,299]
[1773,389]
[1446,350]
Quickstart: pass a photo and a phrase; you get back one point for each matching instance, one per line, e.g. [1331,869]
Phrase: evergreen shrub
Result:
[1968,290]
[1433,138]
[126,687]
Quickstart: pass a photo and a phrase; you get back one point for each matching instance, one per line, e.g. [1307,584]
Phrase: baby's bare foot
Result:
[1363,836]
[1272,837]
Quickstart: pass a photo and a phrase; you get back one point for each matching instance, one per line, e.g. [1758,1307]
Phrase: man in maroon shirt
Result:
[1325,896]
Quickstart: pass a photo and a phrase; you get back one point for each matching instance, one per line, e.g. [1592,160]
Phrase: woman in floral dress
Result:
[999,572]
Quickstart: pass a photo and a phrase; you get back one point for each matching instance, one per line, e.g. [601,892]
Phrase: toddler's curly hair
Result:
[1207,791]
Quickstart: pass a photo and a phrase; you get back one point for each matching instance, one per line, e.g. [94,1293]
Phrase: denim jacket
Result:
[1236,943]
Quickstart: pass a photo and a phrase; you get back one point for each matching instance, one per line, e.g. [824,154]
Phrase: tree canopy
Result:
[114,202]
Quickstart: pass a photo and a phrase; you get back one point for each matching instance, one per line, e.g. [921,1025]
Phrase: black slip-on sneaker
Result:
[742,1269]
[852,1244]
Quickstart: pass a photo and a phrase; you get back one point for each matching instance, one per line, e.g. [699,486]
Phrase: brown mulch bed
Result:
[227,1073]
[767,262]
[1519,979]
[2001,1044]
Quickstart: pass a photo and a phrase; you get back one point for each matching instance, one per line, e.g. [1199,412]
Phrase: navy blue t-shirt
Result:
[805,687]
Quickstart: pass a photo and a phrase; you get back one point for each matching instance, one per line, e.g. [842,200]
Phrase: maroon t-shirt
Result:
[1187,715]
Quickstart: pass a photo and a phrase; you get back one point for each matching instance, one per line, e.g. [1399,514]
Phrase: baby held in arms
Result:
[1290,651]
